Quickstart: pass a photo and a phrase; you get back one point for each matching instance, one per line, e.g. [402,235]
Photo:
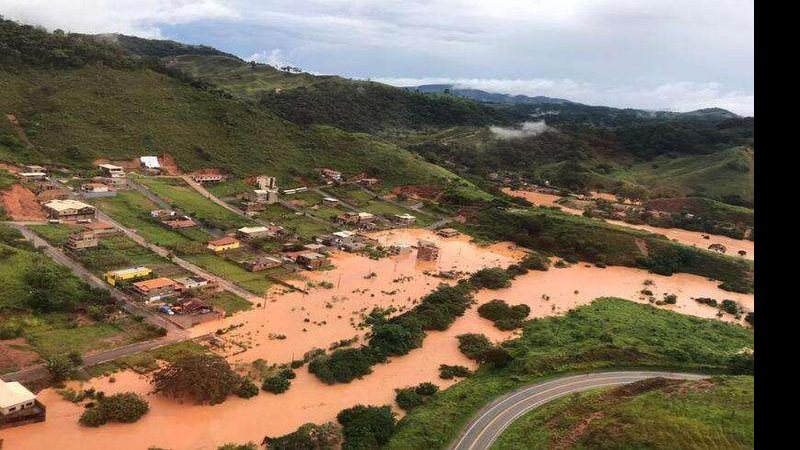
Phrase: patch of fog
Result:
[526,129]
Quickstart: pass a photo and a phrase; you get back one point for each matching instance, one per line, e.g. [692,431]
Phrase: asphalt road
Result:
[489,423]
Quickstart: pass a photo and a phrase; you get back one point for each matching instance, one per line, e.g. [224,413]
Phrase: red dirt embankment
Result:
[420,191]
[169,165]
[21,204]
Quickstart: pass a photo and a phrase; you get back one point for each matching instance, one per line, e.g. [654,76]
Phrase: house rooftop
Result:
[14,393]
[343,234]
[151,162]
[227,240]
[405,216]
[129,270]
[63,205]
[155,283]
[311,255]
[249,230]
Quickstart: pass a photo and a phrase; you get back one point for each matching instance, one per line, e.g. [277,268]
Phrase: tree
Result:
[473,345]
[408,399]
[366,427]
[496,356]
[393,340]
[276,384]
[309,436]
[204,378]
[127,407]
[491,278]
[426,388]
[60,367]
[247,389]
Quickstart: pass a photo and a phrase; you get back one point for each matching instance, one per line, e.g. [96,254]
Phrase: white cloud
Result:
[526,129]
[673,54]
[137,17]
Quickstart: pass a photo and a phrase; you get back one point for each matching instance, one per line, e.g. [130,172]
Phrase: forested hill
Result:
[75,99]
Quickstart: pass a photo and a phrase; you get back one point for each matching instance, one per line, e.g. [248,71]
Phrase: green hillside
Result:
[353,105]
[653,414]
[102,105]
[725,176]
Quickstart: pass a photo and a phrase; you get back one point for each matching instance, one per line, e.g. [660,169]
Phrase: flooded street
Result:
[686,237]
[177,426]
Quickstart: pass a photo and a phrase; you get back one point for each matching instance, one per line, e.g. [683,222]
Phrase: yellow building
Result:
[223,244]
[132,273]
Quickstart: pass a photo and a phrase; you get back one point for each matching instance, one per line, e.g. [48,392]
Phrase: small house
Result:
[399,248]
[33,168]
[29,176]
[405,220]
[208,177]
[250,233]
[263,263]
[330,175]
[427,250]
[100,228]
[316,248]
[312,261]
[18,405]
[162,214]
[447,232]
[265,196]
[156,289]
[115,276]
[193,282]
[112,171]
[82,239]
[150,165]
[330,201]
[367,182]
[97,190]
[180,222]
[192,311]
[69,210]
[223,244]
[267,183]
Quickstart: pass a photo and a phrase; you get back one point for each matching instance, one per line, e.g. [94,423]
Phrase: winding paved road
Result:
[490,421]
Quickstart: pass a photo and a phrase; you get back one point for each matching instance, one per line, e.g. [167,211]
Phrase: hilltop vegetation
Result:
[654,414]
[104,104]
[598,336]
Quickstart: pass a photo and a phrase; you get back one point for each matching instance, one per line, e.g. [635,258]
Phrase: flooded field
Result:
[171,424]
[291,323]
[686,237]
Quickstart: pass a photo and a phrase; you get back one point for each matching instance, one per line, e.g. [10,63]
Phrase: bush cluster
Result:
[126,407]
[279,383]
[309,436]
[447,372]
[366,427]
[505,317]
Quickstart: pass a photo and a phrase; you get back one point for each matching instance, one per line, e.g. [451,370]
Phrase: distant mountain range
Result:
[486,97]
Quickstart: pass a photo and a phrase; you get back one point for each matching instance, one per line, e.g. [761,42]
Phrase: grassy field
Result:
[302,225]
[580,238]
[609,333]
[229,188]
[690,414]
[177,192]
[132,209]
[228,302]
[60,330]
[254,282]
[726,176]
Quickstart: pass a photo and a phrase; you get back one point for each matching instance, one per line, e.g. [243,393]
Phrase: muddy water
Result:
[325,316]
[186,426]
[686,237]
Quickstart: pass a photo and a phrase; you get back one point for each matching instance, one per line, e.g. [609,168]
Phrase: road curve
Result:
[489,423]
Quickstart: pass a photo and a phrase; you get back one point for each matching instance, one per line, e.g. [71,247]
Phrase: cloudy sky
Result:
[671,54]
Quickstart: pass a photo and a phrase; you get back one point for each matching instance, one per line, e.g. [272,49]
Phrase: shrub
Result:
[126,407]
[730,307]
[447,372]
[496,356]
[742,364]
[670,299]
[426,388]
[60,367]
[276,384]
[309,436]
[366,427]
[288,374]
[751,318]
[706,301]
[535,261]
[204,378]
[473,345]
[504,317]
[247,389]
[408,399]
[490,278]
[341,366]
[393,339]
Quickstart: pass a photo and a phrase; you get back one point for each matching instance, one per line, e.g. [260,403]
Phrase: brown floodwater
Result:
[171,424]
[686,237]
